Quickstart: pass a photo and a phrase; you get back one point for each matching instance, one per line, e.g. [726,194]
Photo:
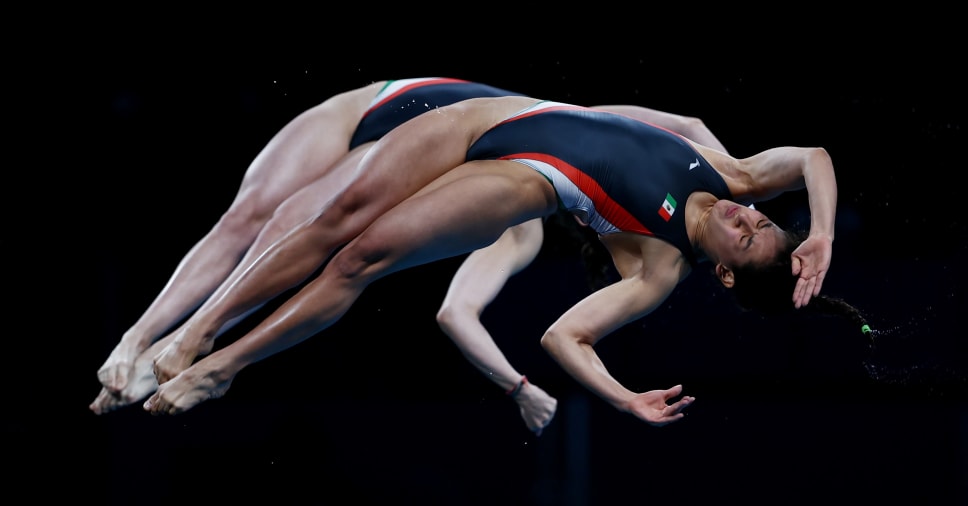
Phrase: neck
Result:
[698,210]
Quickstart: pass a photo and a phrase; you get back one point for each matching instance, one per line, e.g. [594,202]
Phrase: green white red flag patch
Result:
[668,207]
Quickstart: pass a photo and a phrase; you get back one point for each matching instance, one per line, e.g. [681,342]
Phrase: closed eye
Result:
[760,225]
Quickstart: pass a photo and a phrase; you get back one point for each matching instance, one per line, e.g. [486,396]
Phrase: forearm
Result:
[476,284]
[571,339]
[584,365]
[478,347]
[822,193]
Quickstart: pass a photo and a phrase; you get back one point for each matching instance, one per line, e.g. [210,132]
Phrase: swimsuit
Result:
[404,99]
[615,173]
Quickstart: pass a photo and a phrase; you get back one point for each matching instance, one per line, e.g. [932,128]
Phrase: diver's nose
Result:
[743,218]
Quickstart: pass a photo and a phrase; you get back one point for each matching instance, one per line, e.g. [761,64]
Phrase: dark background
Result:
[136,134]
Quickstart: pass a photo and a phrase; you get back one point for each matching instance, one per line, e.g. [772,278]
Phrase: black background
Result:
[136,134]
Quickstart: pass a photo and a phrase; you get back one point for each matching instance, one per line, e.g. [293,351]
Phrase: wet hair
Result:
[768,287]
[562,232]
[909,355]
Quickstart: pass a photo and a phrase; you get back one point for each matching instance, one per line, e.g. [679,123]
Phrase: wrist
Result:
[822,234]
[516,389]
[622,406]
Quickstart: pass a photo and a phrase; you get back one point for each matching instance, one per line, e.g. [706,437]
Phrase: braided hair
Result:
[768,287]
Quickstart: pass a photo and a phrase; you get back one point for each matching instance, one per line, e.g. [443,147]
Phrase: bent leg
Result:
[481,200]
[303,150]
[404,161]
[297,209]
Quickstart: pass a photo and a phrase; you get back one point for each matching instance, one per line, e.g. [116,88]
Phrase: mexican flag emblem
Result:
[668,207]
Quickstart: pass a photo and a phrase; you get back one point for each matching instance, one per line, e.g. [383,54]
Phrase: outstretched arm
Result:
[571,339]
[475,285]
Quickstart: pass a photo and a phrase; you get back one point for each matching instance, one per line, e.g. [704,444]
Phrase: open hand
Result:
[810,262]
[652,406]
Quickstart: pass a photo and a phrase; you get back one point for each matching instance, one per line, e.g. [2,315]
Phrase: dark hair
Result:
[768,287]
[563,233]
[599,269]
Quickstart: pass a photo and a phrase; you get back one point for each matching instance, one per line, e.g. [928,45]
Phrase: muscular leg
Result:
[475,285]
[294,210]
[179,353]
[298,208]
[478,202]
[403,162]
[302,151]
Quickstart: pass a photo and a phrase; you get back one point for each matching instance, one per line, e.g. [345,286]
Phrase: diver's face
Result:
[737,235]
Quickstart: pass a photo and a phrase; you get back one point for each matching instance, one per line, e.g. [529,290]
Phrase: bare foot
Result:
[178,355]
[537,407]
[188,389]
[142,383]
[116,370]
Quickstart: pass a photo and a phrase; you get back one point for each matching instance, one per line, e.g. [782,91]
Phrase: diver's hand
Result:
[537,407]
[651,406]
[810,262]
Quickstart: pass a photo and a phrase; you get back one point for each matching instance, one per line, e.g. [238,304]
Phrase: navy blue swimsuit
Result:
[404,99]
[615,173]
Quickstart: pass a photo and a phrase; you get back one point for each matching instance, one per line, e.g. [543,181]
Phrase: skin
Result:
[445,206]
[309,153]
[314,146]
[484,273]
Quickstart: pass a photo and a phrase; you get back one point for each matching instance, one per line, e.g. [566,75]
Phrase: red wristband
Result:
[517,388]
